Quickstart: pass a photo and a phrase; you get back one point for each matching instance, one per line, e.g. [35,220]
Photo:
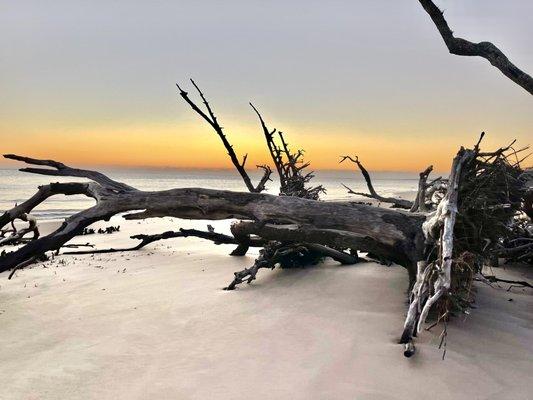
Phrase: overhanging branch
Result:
[487,50]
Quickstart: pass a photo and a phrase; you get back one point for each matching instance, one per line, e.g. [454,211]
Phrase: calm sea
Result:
[16,186]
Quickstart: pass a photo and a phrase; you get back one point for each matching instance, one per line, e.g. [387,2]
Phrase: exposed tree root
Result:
[286,255]
[482,199]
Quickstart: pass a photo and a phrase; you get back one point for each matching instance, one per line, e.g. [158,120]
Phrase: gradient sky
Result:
[92,82]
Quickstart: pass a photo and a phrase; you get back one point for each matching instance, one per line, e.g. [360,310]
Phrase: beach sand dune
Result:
[156,324]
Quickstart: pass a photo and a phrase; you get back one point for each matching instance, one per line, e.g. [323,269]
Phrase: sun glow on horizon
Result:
[196,146]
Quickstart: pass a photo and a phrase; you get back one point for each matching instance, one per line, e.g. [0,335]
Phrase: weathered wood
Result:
[439,226]
[296,231]
[60,169]
[18,235]
[420,200]
[487,50]
[289,166]
[396,202]
[216,238]
[211,119]
[392,232]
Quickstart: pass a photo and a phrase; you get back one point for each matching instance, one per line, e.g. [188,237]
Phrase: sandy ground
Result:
[155,324]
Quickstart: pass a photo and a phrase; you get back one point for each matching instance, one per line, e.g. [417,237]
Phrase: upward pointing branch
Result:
[275,152]
[487,50]
[401,203]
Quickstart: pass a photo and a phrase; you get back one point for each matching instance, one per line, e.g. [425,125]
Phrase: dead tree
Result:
[429,194]
[484,196]
[293,182]
[443,250]
[216,238]
[439,226]
[337,224]
[487,50]
[427,197]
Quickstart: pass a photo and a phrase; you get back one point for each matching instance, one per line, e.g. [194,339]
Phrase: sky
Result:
[93,82]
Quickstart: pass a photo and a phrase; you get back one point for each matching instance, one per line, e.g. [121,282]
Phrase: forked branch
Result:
[60,169]
[400,203]
[211,119]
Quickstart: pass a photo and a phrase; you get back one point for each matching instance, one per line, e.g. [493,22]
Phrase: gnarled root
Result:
[290,255]
[285,254]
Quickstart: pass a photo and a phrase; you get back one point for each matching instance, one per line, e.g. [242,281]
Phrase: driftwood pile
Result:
[455,225]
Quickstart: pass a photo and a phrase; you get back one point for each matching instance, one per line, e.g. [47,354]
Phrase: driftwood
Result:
[396,202]
[295,231]
[293,182]
[289,166]
[486,50]
[442,238]
[216,238]
[17,235]
[338,224]
[495,279]
[292,254]
[211,119]
[439,226]
[426,199]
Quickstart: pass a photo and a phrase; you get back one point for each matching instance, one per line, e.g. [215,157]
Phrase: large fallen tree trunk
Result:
[394,235]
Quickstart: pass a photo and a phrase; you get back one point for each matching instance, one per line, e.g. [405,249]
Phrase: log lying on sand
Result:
[390,233]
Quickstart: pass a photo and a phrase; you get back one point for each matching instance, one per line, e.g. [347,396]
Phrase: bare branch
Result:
[420,200]
[350,224]
[216,238]
[60,169]
[213,122]
[487,50]
[401,203]
[289,166]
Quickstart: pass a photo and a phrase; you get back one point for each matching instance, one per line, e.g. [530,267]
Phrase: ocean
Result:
[16,186]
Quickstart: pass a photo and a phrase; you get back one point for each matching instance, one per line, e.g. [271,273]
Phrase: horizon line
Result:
[13,166]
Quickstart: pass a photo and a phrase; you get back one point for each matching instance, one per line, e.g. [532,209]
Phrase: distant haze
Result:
[92,82]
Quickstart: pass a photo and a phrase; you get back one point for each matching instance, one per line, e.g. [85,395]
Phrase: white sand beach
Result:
[156,324]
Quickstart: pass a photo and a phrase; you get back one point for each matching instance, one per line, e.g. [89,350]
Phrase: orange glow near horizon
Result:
[196,146]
